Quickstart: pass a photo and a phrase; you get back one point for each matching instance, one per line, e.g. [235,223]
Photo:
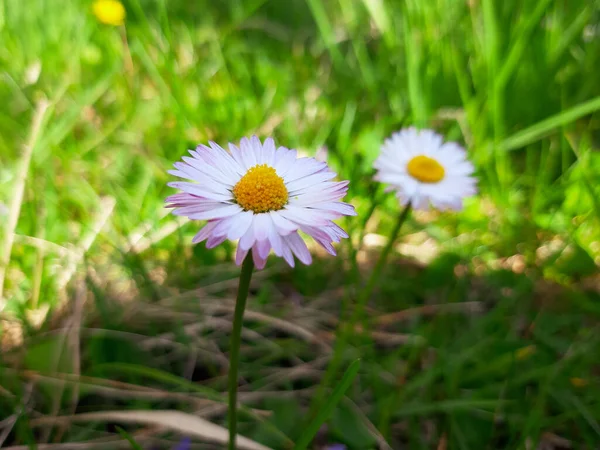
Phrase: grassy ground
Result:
[485,334]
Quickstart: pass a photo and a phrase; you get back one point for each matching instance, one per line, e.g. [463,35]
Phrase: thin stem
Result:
[345,331]
[236,337]
[377,271]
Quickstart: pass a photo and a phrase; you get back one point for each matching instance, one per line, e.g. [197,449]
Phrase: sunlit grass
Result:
[515,82]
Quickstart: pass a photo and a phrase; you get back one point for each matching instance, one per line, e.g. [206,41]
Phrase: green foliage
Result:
[514,81]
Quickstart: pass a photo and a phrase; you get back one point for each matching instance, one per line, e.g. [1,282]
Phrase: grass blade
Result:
[183,423]
[546,126]
[326,411]
[129,438]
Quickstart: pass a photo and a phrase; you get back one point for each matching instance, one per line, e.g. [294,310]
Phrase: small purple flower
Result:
[185,444]
[335,447]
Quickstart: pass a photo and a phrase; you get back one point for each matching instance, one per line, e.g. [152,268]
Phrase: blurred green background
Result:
[485,326]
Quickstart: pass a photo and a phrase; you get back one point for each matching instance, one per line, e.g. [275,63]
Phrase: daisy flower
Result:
[261,195]
[424,170]
[110,12]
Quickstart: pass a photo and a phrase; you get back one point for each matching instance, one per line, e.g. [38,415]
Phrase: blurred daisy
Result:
[424,170]
[110,12]
[261,195]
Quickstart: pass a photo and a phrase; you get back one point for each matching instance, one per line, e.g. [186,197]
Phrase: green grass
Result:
[514,81]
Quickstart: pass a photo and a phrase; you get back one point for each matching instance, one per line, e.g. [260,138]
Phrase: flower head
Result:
[261,195]
[110,12]
[424,170]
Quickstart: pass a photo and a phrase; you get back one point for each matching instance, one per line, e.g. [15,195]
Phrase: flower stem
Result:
[377,271]
[345,331]
[236,337]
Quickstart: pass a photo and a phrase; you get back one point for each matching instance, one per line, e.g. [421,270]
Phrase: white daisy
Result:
[424,170]
[262,196]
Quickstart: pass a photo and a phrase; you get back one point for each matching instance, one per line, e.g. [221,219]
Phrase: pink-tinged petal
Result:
[323,236]
[335,230]
[308,216]
[287,253]
[217,161]
[192,169]
[237,155]
[205,232]
[198,208]
[299,248]
[226,162]
[240,255]
[309,180]
[240,225]
[343,208]
[224,226]
[303,167]
[282,225]
[182,199]
[204,173]
[217,213]
[213,241]
[328,246]
[258,261]
[328,187]
[263,248]
[320,193]
[248,239]
[198,190]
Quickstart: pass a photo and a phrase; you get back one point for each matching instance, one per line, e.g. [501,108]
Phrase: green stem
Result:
[345,331]
[377,271]
[236,338]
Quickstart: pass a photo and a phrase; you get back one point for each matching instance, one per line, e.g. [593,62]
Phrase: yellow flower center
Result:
[261,190]
[110,12]
[425,169]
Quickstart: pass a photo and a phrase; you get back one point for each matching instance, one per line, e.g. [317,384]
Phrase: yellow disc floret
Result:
[261,190]
[425,169]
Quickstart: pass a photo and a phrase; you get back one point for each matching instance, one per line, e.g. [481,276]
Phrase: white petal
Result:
[262,226]
[205,232]
[240,225]
[304,167]
[340,207]
[200,191]
[217,213]
[269,152]
[305,215]
[285,160]
[282,225]
[248,153]
[240,255]
[248,239]
[298,247]
[287,253]
[263,248]
[259,262]
[276,242]
[310,180]
[213,241]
